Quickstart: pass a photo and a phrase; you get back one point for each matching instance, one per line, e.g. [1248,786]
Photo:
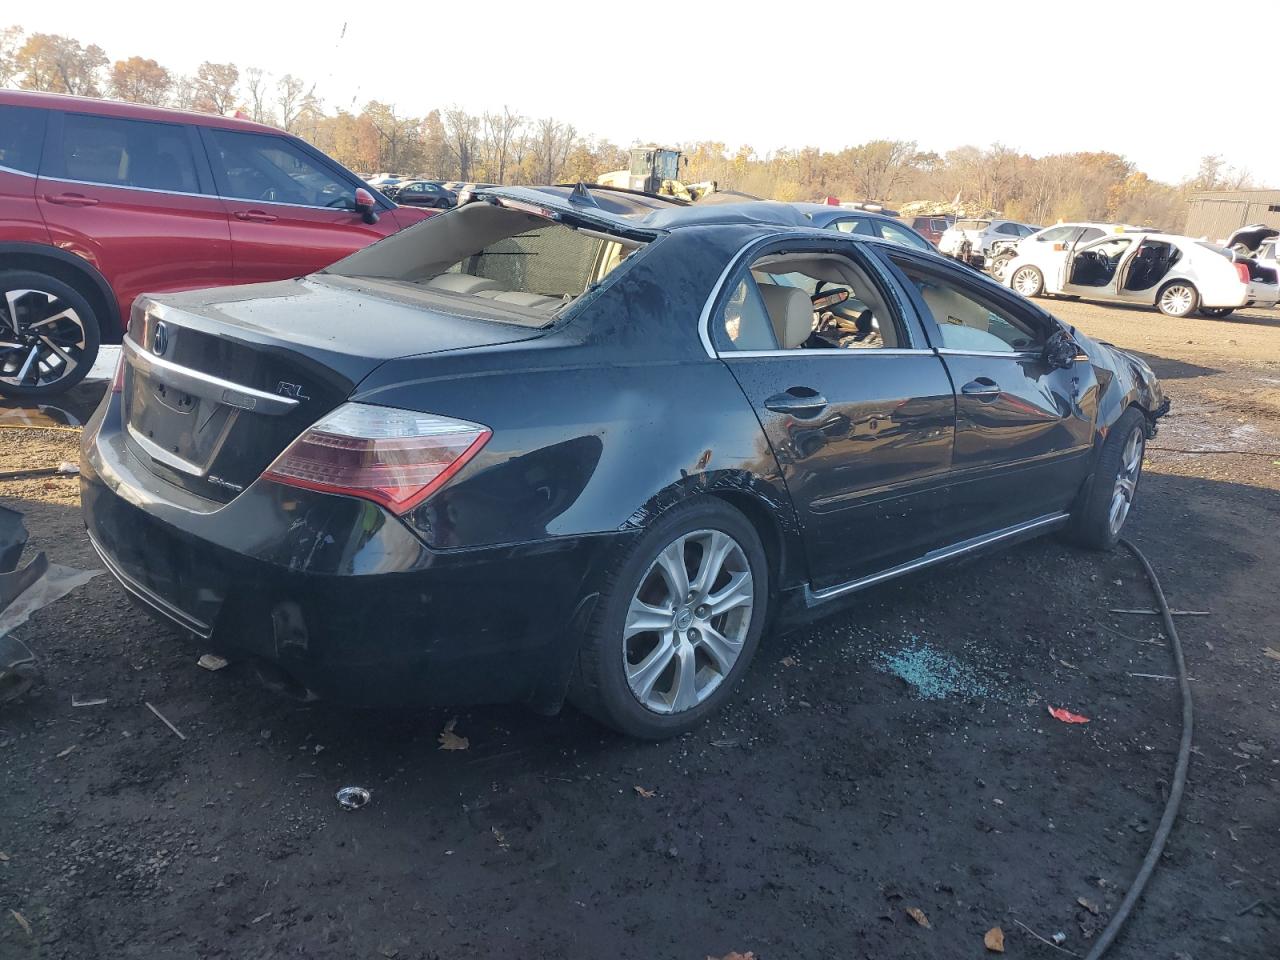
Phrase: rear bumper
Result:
[337,592]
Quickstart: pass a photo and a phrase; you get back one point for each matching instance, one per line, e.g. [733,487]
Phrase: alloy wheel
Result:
[687,621]
[1027,281]
[42,339]
[1126,479]
[1177,300]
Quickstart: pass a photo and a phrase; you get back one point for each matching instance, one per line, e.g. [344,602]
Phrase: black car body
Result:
[423,193]
[596,405]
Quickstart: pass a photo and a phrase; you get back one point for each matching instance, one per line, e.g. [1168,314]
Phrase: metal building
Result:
[1216,214]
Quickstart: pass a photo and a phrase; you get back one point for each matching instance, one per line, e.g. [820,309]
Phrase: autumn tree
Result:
[216,87]
[397,136]
[10,44]
[500,131]
[139,80]
[60,64]
[255,85]
[551,143]
[292,94]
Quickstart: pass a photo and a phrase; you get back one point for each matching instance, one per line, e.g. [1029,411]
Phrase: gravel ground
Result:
[896,757]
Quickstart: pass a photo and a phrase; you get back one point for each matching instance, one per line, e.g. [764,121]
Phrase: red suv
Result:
[101,201]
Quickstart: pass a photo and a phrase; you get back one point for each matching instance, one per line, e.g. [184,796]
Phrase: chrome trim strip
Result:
[21,173]
[1001,354]
[129,186]
[206,385]
[833,352]
[161,606]
[157,452]
[937,556]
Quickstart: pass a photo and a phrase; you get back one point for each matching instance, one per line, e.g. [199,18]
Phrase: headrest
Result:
[790,312]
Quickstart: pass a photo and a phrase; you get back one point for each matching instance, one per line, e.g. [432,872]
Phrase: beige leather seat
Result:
[790,312]
[462,283]
[948,306]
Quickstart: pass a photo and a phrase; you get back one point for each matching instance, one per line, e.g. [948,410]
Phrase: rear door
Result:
[134,198]
[1024,429]
[292,211]
[863,436]
[21,141]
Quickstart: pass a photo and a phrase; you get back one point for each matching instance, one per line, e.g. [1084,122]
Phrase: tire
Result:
[55,331]
[1098,519]
[1000,266]
[653,684]
[1217,313]
[1028,281]
[1178,298]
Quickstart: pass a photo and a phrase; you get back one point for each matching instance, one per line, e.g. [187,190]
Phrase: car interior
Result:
[1153,260]
[492,261]
[966,320]
[806,301]
[1096,266]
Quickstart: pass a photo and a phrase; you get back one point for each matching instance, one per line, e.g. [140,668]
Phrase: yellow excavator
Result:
[657,170]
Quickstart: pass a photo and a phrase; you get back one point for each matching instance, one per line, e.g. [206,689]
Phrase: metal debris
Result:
[165,721]
[353,798]
[211,661]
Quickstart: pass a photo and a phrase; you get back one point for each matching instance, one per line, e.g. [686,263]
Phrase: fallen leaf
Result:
[1088,905]
[450,740]
[1066,716]
[68,750]
[647,794]
[4,857]
[916,914]
[994,940]
[788,661]
[22,922]
[1273,654]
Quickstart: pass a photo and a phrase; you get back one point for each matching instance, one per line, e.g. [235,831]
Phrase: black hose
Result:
[1179,773]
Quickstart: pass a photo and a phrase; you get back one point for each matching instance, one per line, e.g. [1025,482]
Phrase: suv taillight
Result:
[1242,271]
[396,458]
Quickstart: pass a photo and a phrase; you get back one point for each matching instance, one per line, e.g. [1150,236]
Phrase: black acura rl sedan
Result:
[587,443]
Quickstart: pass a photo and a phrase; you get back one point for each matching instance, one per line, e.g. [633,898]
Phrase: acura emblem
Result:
[160,340]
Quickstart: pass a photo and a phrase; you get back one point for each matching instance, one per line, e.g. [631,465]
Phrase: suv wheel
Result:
[49,335]
[677,623]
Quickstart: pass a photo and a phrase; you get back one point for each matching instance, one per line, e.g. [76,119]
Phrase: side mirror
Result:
[1060,351]
[365,205]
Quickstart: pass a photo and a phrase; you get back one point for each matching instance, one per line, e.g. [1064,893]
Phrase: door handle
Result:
[256,216]
[798,402]
[984,388]
[70,199]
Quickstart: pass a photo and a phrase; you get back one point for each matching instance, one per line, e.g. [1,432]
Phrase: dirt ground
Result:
[803,822]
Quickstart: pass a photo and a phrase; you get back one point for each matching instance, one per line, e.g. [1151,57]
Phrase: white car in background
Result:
[1060,234]
[971,240]
[1178,275]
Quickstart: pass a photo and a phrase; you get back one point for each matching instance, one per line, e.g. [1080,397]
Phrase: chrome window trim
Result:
[1004,354]
[21,173]
[125,186]
[833,352]
[936,556]
[205,384]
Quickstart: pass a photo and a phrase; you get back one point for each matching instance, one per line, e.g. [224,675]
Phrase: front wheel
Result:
[1028,281]
[677,623]
[1178,299]
[1217,313]
[1000,267]
[1099,517]
[49,335]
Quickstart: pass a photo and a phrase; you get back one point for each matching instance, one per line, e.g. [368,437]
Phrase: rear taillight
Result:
[1242,271]
[396,458]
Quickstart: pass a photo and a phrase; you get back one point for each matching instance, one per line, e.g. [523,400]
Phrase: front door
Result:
[291,214]
[134,199]
[1094,269]
[1024,429]
[859,416]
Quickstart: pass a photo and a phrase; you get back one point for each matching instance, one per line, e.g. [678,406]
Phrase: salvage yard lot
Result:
[802,821]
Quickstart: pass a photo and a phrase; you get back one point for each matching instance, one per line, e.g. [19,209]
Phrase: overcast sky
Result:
[1162,84]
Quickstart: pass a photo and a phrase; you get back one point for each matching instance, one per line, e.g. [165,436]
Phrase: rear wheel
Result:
[1028,281]
[1178,299]
[49,335]
[677,624]
[1217,312]
[1099,517]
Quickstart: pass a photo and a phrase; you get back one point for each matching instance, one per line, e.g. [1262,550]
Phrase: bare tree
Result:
[500,129]
[291,94]
[551,143]
[10,43]
[461,131]
[255,84]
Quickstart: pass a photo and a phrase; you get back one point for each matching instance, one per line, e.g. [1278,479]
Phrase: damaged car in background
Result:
[562,443]
[1178,275]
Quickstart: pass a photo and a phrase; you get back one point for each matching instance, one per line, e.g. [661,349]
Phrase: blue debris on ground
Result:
[933,674]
